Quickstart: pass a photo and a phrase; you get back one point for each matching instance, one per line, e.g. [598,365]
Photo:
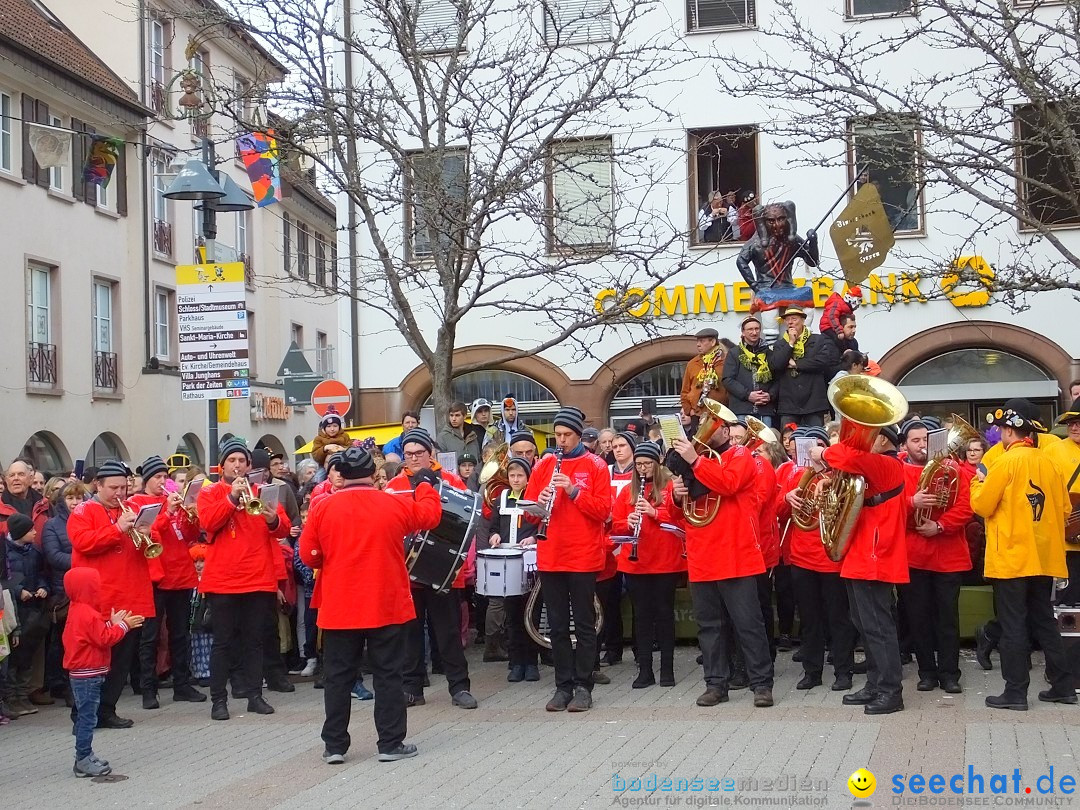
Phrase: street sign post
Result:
[212,319]
[331,393]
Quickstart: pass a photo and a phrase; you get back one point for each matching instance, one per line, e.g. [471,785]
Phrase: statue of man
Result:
[775,248]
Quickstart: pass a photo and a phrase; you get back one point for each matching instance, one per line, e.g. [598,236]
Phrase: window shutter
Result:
[79,150]
[720,13]
[42,117]
[581,188]
[568,22]
[29,114]
[286,246]
[89,190]
[119,182]
[436,25]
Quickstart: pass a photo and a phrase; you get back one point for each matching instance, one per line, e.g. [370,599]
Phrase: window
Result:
[1048,187]
[200,64]
[719,14]
[102,191]
[163,308]
[333,266]
[296,335]
[886,155]
[568,22]
[5,133]
[438,25]
[242,232]
[871,8]
[242,101]
[580,195]
[723,160]
[162,213]
[159,37]
[103,320]
[56,173]
[436,196]
[302,249]
[322,354]
[320,260]
[39,304]
[286,242]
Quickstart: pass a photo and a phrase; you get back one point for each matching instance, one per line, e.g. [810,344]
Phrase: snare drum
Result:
[500,571]
[435,557]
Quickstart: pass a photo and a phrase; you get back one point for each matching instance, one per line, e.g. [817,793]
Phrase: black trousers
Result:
[443,612]
[611,602]
[1070,595]
[785,599]
[341,663]
[765,602]
[1023,607]
[566,592]
[173,607]
[522,649]
[239,621]
[932,603]
[731,601]
[803,419]
[871,612]
[123,653]
[653,598]
[823,608]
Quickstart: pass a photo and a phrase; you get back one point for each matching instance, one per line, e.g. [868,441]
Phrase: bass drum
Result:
[536,624]
[435,557]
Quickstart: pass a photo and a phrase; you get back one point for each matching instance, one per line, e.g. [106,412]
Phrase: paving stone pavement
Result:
[510,753]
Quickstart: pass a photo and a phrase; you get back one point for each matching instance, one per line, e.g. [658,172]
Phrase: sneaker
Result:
[403,751]
[114,721]
[149,699]
[88,766]
[21,708]
[464,700]
[220,710]
[601,678]
[361,692]
[559,701]
[99,760]
[6,712]
[309,668]
[581,702]
[414,700]
[258,705]
[281,685]
[516,674]
[187,694]
[333,759]
[532,672]
[784,643]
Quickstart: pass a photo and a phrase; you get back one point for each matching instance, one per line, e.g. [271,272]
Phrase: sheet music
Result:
[193,491]
[675,530]
[258,477]
[147,515]
[270,495]
[671,429]
[937,443]
[534,509]
[448,461]
[802,454]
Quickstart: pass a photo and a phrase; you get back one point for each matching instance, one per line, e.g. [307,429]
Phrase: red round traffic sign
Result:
[330,393]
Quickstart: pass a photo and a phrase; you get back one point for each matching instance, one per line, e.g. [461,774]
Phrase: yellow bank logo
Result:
[862,784]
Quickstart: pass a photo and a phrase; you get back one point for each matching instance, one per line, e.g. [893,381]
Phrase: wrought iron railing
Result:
[41,364]
[106,371]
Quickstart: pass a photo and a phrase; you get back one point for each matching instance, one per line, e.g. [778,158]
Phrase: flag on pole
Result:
[101,160]
[51,146]
[259,151]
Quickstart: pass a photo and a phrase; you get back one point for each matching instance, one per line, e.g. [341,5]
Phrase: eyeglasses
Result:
[415,453]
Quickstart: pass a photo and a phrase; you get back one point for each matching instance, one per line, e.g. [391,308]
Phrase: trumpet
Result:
[251,504]
[143,542]
[541,532]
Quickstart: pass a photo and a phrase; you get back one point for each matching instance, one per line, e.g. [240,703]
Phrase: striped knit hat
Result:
[233,445]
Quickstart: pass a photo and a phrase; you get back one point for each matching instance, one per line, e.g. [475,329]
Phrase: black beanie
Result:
[356,462]
[19,525]
[571,418]
[260,459]
[151,467]
[522,436]
[233,445]
[892,434]
[418,436]
[112,469]
[523,463]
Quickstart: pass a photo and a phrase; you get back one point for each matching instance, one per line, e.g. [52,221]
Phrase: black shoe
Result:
[281,686]
[318,683]
[784,643]
[517,673]
[809,681]
[414,700]
[796,656]
[220,710]
[859,668]
[841,683]
[667,677]
[610,659]
[952,687]
[149,699]
[739,680]
[187,694]
[905,658]
[559,701]
[763,697]
[581,701]
[883,704]
[863,697]
[258,705]
[1006,702]
[712,696]
[532,672]
[1050,696]
[600,678]
[983,647]
[113,721]
[927,684]
[700,659]
[495,657]
[645,678]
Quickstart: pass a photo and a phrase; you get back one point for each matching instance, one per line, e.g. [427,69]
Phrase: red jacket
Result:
[576,532]
[801,547]
[174,570]
[97,543]
[88,636]
[620,482]
[362,581]
[946,552]
[835,308]
[728,547]
[877,550]
[659,552]
[769,531]
[402,483]
[242,554]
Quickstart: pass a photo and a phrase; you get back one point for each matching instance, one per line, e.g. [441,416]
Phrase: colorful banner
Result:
[101,160]
[259,151]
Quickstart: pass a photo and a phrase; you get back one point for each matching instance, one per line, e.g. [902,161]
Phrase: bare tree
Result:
[500,157]
[972,105]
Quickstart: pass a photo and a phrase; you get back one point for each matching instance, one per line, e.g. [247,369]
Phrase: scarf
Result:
[799,349]
[755,362]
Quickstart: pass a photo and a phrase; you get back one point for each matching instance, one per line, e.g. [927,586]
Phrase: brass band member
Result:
[240,576]
[1066,455]
[1024,501]
[702,379]
[568,561]
[364,596]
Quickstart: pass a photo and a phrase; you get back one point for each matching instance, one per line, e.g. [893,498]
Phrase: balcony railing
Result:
[200,128]
[162,237]
[157,96]
[249,271]
[41,364]
[106,374]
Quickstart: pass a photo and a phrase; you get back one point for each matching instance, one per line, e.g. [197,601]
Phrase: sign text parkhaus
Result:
[710,299]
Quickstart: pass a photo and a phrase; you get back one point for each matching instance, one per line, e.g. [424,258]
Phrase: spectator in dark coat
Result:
[751,385]
[802,363]
[56,547]
[28,581]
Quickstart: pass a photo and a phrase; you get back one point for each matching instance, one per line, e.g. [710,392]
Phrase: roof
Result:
[29,26]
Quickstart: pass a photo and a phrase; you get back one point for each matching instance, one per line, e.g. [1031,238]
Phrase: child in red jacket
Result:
[88,638]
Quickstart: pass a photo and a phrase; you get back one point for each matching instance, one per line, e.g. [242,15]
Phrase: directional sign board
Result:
[212,316]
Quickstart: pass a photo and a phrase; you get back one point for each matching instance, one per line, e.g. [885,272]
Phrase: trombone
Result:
[143,542]
[251,504]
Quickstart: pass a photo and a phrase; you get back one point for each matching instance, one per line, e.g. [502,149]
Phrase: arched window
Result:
[106,445]
[660,383]
[536,404]
[190,446]
[270,443]
[47,453]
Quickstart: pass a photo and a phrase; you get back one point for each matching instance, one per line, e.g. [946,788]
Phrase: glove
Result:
[811,235]
[425,477]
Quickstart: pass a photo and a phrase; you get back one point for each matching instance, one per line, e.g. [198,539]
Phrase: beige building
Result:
[96,268]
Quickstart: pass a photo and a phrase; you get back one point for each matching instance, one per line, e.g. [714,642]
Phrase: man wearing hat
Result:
[724,560]
[591,438]
[174,577]
[240,577]
[938,555]
[98,529]
[523,445]
[1066,455]
[1024,500]
[802,362]
[702,377]
[509,423]
[875,561]
[750,383]
[578,497]
[363,593]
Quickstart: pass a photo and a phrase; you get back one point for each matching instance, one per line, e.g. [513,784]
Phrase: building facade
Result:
[96,268]
[951,347]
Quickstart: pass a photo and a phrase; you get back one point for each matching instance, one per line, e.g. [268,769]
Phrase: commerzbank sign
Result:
[712,299]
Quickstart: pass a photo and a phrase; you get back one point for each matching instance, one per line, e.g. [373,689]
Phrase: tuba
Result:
[941,476]
[492,476]
[809,489]
[865,405]
[701,506]
[758,434]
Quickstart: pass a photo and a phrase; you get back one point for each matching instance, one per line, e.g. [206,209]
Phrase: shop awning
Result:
[381,433]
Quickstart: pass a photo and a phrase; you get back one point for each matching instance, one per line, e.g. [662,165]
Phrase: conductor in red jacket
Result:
[876,560]
[240,577]
[98,529]
[569,560]
[364,596]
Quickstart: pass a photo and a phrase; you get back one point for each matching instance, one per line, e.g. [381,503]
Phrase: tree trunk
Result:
[442,376]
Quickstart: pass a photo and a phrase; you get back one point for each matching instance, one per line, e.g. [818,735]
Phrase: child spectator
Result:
[331,435]
[202,637]
[31,589]
[836,306]
[87,641]
[466,463]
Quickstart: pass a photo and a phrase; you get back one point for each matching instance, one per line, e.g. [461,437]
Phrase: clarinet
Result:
[637,534]
[541,533]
